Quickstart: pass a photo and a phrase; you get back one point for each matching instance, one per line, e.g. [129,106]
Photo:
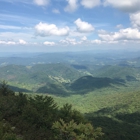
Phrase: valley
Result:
[104,86]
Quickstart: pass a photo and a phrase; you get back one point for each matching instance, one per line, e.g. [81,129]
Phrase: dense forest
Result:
[39,118]
[72,96]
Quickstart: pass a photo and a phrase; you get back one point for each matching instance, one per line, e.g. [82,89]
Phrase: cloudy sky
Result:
[67,25]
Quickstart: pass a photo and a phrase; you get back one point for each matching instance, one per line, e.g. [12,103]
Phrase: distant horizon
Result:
[74,51]
[107,51]
[65,50]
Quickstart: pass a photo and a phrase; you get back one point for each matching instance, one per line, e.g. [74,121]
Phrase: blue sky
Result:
[69,25]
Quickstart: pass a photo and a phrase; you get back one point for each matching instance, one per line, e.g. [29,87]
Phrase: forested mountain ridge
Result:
[64,79]
[33,78]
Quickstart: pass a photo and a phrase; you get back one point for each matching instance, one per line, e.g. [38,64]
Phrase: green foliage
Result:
[9,137]
[115,129]
[7,132]
[117,111]
[32,118]
[72,130]
[4,90]
[68,114]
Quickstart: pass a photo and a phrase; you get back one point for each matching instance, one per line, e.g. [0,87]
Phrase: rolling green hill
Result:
[63,79]
[64,72]
[34,78]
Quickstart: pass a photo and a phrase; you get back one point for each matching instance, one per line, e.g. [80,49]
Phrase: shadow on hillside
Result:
[130,118]
[117,128]
[16,89]
[79,67]
[110,110]
[90,83]
[53,89]
[82,85]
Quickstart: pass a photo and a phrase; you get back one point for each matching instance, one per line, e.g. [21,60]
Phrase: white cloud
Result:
[41,2]
[21,41]
[2,42]
[64,41]
[83,26]
[56,11]
[113,42]
[96,41]
[84,38]
[7,42]
[69,41]
[135,20]
[49,43]
[123,34]
[44,29]
[124,5]
[72,5]
[90,3]
[13,42]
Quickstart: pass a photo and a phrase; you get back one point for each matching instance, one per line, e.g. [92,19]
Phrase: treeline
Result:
[39,118]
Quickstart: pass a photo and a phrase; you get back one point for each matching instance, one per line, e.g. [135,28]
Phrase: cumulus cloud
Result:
[7,42]
[69,41]
[96,41]
[10,43]
[21,41]
[135,20]
[84,38]
[90,3]
[44,29]
[49,43]
[83,26]
[72,5]
[41,2]
[123,34]
[2,42]
[13,42]
[124,5]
